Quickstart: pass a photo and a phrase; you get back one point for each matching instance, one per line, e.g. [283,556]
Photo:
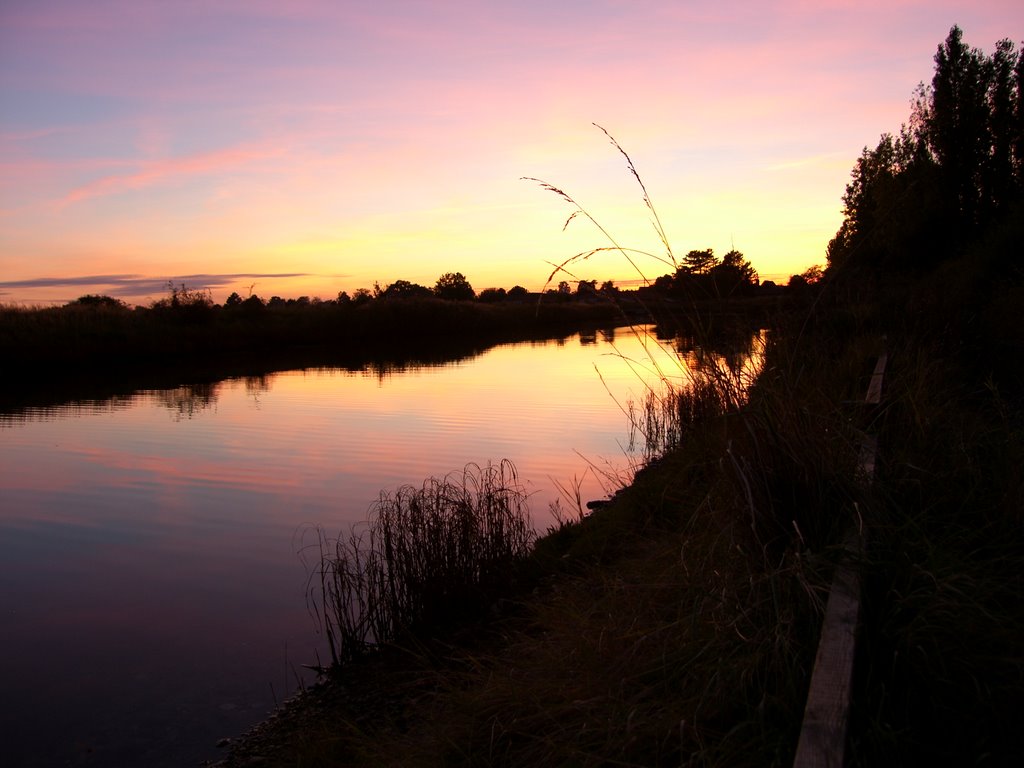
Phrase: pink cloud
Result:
[153,172]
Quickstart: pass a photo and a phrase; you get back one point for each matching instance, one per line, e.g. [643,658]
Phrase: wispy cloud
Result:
[140,285]
[152,172]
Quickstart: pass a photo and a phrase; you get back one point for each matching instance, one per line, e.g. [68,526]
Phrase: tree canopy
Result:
[957,167]
[699,262]
[403,289]
[703,275]
[454,286]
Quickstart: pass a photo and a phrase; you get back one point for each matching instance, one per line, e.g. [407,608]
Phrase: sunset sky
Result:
[308,147]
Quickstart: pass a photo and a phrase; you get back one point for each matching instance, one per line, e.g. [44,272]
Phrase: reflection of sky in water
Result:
[149,582]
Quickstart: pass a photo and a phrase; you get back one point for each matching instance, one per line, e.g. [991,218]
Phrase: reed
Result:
[942,668]
[429,557]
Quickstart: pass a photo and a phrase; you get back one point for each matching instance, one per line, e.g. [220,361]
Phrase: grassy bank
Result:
[678,624]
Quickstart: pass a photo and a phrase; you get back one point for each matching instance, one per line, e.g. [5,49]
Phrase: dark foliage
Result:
[919,198]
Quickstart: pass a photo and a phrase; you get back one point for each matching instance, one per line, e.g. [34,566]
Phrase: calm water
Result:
[151,588]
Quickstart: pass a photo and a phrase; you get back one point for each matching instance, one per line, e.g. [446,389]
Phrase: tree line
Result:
[954,171]
[701,275]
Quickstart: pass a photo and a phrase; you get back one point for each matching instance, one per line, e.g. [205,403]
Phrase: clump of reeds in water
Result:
[662,421]
[429,556]
[669,416]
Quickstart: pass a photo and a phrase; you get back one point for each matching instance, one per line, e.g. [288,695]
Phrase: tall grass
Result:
[687,629]
[429,556]
[673,636]
[942,667]
[675,410]
[679,623]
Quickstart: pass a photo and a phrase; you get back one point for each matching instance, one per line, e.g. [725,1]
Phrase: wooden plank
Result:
[827,711]
[874,396]
[866,464]
[823,737]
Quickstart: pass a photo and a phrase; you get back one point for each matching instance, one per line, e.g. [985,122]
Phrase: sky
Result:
[309,147]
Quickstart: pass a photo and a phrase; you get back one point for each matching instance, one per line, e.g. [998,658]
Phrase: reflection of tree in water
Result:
[733,357]
[590,337]
[384,370]
[718,381]
[186,401]
[73,409]
[257,385]
[727,348]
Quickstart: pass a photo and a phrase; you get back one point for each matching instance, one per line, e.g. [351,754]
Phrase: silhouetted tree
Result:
[699,262]
[958,125]
[94,300]
[1002,177]
[492,295]
[186,305]
[892,208]
[454,286]
[518,293]
[797,282]
[664,283]
[403,289]
[733,275]
[916,199]
[1017,137]
[253,303]
[812,274]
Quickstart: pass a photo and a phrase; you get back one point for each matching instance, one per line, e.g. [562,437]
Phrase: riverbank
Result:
[591,661]
[91,341]
[97,351]
[680,622]
[603,654]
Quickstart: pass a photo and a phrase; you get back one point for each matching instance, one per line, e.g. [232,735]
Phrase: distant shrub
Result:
[94,300]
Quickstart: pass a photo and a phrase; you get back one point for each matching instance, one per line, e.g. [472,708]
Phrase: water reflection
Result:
[187,401]
[149,561]
[72,409]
